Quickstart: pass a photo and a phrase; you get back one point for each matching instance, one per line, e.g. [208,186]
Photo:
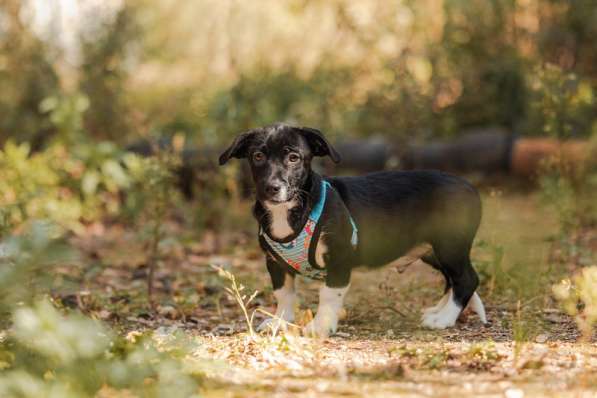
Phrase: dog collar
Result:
[298,252]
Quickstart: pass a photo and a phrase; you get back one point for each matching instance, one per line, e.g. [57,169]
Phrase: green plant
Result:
[154,195]
[483,352]
[66,114]
[561,102]
[26,262]
[103,73]
[520,329]
[578,297]
[235,290]
[30,188]
[52,355]
[45,353]
[27,76]
[490,266]
[66,185]
[559,193]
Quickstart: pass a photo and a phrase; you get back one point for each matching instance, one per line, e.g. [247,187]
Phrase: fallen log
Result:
[529,155]
[485,150]
[489,151]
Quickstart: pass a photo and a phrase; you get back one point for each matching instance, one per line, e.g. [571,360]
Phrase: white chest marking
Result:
[278,212]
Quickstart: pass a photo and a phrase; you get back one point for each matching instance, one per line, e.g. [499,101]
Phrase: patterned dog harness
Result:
[296,252]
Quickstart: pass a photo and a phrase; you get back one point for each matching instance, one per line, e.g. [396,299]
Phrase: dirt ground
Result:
[528,349]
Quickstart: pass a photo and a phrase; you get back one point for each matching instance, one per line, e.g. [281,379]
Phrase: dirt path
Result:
[529,348]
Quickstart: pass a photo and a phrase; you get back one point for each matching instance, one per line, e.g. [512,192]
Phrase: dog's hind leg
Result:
[477,306]
[455,260]
[432,260]
[440,304]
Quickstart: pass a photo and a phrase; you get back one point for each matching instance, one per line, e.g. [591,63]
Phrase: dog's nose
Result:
[273,189]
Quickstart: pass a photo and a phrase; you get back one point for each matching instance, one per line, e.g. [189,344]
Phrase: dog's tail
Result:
[477,306]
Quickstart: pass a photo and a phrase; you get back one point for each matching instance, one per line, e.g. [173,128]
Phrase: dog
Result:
[324,227]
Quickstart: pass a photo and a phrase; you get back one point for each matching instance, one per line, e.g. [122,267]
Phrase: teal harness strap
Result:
[296,252]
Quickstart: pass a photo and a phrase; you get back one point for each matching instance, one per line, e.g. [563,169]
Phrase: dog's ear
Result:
[239,147]
[319,144]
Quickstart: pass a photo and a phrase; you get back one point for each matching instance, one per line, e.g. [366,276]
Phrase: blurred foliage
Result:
[31,188]
[47,354]
[404,69]
[316,100]
[151,192]
[66,115]
[27,261]
[478,61]
[561,103]
[578,296]
[153,198]
[67,185]
[104,73]
[408,70]
[27,76]
[200,72]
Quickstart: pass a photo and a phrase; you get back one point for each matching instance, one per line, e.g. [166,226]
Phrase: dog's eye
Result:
[258,157]
[293,158]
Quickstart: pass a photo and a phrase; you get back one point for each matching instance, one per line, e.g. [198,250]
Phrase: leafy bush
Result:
[153,198]
[26,262]
[75,184]
[421,69]
[104,73]
[562,104]
[27,76]
[31,188]
[265,95]
[578,297]
[47,354]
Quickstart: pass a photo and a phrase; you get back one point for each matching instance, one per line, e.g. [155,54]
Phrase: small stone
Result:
[555,318]
[514,393]
[542,338]
[168,311]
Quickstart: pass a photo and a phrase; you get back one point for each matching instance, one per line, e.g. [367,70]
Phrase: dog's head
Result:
[280,158]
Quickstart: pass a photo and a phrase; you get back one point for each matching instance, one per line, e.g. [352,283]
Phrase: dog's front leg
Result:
[284,292]
[326,319]
[331,299]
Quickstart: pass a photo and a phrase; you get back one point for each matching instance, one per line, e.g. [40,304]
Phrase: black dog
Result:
[325,227]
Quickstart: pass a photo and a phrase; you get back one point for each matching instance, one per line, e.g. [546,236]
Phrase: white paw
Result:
[441,304]
[445,317]
[434,320]
[431,310]
[321,326]
[272,324]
